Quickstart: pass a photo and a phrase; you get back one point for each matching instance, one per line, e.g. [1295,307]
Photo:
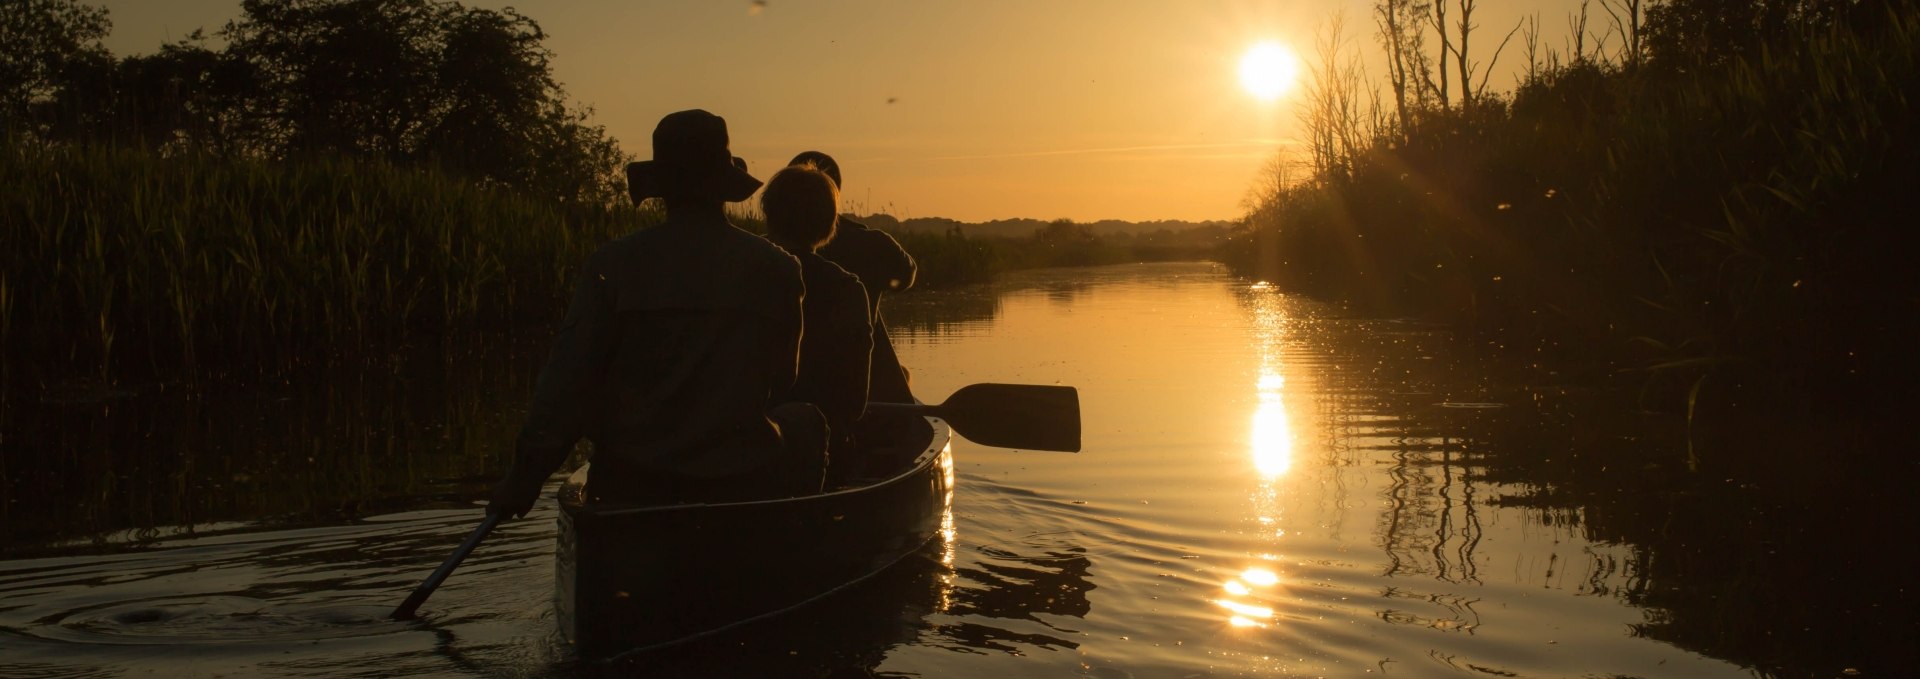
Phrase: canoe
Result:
[633,579]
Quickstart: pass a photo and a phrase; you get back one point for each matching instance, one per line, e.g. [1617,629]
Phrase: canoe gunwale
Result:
[571,499]
[933,460]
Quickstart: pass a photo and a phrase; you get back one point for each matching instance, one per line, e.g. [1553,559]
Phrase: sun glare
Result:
[1269,70]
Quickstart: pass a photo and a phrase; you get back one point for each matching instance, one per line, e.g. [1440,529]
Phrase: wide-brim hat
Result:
[691,160]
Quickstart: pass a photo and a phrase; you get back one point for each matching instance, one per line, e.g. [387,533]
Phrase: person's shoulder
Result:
[758,259]
[758,247]
[828,271]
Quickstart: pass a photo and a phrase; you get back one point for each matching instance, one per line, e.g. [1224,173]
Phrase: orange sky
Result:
[1124,109]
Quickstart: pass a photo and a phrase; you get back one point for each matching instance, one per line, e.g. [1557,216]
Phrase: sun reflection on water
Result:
[1249,595]
[1272,433]
[1245,603]
[949,534]
[1261,577]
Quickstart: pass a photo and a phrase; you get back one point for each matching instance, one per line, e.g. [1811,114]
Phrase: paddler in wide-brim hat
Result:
[691,160]
[679,350]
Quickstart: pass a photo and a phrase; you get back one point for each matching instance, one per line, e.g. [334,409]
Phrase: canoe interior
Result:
[628,579]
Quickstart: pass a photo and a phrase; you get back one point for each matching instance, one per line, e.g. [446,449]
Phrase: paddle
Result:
[420,594]
[1029,416]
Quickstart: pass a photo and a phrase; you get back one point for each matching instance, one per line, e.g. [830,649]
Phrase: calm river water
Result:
[1268,488]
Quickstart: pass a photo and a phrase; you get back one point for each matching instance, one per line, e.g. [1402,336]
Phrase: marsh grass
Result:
[1744,221]
[953,258]
[123,264]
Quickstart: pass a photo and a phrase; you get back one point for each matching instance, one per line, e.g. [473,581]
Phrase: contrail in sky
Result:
[1117,149]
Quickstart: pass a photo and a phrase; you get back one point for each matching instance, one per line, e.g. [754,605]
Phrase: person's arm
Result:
[566,396]
[905,270]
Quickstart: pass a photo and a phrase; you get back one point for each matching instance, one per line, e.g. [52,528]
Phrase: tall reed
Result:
[140,265]
[952,258]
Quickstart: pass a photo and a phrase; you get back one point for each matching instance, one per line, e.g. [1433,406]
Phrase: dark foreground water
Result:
[1268,489]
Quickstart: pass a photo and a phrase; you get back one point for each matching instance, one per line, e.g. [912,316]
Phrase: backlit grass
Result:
[122,263]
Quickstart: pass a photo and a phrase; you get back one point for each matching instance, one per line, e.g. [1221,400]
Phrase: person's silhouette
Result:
[678,339]
[800,203]
[882,266]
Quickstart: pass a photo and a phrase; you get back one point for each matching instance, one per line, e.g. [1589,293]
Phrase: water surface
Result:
[1268,488]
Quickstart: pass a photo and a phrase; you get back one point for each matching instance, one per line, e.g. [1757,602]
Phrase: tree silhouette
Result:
[423,81]
[1686,33]
[409,82]
[48,48]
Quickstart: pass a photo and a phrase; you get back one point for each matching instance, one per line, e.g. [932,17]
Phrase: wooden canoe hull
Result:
[627,580]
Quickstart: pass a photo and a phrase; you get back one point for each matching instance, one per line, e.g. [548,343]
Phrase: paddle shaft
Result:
[420,594]
[921,409]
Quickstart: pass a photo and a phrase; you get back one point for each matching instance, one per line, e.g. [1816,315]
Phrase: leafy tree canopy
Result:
[42,44]
[412,82]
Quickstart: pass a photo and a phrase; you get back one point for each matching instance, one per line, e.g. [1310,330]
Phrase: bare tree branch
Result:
[1532,38]
[1577,33]
[1484,75]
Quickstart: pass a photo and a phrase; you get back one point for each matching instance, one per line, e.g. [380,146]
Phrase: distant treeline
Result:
[952,253]
[1716,190]
[1021,228]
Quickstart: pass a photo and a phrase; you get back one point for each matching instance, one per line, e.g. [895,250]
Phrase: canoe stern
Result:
[628,579]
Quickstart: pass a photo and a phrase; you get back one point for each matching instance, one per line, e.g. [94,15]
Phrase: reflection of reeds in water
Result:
[1431,526]
[937,313]
[427,427]
[1461,615]
[1787,578]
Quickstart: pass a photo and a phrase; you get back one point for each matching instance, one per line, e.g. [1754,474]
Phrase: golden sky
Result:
[973,110]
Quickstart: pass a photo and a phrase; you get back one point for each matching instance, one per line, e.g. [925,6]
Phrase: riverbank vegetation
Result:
[121,263]
[953,256]
[412,83]
[1710,192]
[318,181]
[1700,202]
[335,179]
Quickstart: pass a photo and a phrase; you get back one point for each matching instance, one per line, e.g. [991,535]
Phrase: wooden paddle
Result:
[420,594]
[1029,416]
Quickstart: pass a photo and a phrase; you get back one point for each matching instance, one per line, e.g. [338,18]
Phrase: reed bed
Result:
[123,264]
[952,258]
[1744,221]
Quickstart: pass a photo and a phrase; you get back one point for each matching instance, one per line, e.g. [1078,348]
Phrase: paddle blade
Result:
[1030,416]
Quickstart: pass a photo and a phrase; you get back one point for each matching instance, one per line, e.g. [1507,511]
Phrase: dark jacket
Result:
[678,338]
[882,266]
[835,347]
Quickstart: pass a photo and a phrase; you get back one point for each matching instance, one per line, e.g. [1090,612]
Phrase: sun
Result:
[1268,70]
